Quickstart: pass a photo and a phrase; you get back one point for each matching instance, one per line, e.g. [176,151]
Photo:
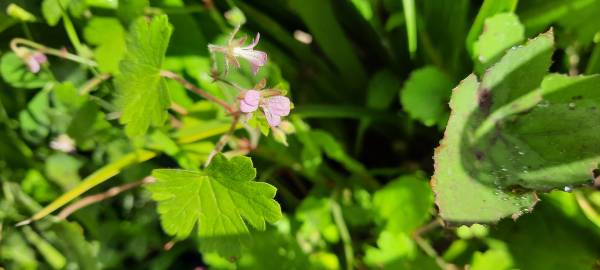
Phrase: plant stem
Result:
[94,179]
[426,247]
[223,140]
[70,29]
[93,83]
[114,191]
[14,45]
[338,218]
[193,88]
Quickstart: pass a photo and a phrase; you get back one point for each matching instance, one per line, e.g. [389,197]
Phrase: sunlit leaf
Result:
[220,200]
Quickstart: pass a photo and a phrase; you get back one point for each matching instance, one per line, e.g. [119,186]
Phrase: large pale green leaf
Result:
[460,196]
[221,200]
[143,92]
[514,133]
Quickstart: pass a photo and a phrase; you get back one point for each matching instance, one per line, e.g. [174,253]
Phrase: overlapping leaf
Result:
[499,144]
[143,92]
[221,200]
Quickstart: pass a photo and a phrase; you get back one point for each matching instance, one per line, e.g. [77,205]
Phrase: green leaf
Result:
[519,72]
[403,204]
[499,259]
[425,95]
[460,196]
[109,37]
[569,247]
[397,251]
[66,95]
[69,236]
[15,72]
[514,133]
[501,32]
[144,97]
[53,10]
[63,169]
[488,8]
[35,120]
[577,19]
[50,254]
[382,90]
[317,222]
[221,200]
[566,119]
[364,8]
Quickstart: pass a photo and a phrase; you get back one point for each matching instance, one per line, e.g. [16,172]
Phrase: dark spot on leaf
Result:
[577,97]
[479,155]
[484,98]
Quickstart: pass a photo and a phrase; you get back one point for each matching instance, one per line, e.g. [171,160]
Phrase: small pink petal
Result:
[250,101]
[33,65]
[254,42]
[278,105]
[40,57]
[273,119]
[256,58]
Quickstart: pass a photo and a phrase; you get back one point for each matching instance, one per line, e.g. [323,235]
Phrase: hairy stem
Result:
[93,83]
[426,247]
[189,86]
[15,42]
[223,140]
[114,191]
[338,218]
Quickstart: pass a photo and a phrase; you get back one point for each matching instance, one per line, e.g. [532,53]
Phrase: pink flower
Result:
[250,101]
[274,107]
[35,60]
[235,50]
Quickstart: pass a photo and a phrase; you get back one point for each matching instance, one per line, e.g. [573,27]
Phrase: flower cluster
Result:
[272,103]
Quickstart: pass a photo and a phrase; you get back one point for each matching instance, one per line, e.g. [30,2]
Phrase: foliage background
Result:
[373,86]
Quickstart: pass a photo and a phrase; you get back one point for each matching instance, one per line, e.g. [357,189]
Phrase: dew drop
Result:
[521,153]
[568,188]
[505,198]
[504,169]
[572,105]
